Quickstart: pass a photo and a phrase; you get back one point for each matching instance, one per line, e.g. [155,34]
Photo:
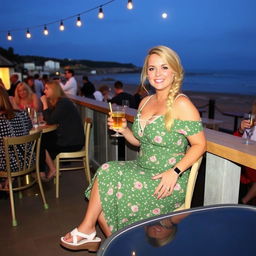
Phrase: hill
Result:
[39,61]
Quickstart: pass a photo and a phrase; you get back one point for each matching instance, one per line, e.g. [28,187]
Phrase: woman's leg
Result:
[103,224]
[50,164]
[93,211]
[250,194]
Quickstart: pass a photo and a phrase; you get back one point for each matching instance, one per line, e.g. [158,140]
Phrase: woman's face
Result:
[48,91]
[159,73]
[22,92]
[158,232]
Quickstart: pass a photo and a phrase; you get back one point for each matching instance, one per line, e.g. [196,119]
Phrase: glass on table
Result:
[40,118]
[249,131]
[125,103]
[118,114]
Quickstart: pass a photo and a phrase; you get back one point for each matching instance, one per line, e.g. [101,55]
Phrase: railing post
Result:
[211,109]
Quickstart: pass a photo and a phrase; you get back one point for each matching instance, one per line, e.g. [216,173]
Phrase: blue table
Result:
[208,231]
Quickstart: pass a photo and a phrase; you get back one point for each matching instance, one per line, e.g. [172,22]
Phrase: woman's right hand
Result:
[44,101]
[111,123]
[245,124]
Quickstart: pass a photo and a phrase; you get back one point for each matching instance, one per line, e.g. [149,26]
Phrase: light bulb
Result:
[9,36]
[62,26]
[100,14]
[28,34]
[46,32]
[78,22]
[130,5]
[164,15]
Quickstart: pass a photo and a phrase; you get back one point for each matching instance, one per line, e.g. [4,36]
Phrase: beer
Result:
[117,119]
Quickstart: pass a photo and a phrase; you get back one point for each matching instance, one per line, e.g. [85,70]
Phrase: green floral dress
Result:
[126,188]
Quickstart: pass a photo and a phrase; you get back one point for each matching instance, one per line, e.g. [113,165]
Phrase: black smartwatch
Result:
[177,170]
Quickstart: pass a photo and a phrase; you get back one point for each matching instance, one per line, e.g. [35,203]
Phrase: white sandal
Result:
[89,242]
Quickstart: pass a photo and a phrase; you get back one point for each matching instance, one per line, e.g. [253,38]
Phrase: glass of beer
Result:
[118,114]
[249,131]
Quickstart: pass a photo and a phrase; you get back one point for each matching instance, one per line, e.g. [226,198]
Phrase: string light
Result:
[130,5]
[62,26]
[28,34]
[46,32]
[101,14]
[9,36]
[78,21]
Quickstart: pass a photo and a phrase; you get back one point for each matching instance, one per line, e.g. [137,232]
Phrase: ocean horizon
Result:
[235,82]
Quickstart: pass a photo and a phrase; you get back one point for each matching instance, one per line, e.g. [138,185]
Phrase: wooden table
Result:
[225,155]
[44,128]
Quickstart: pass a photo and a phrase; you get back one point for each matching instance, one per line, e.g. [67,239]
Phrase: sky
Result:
[207,34]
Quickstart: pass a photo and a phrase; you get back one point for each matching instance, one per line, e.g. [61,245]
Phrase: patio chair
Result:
[26,155]
[78,156]
[191,185]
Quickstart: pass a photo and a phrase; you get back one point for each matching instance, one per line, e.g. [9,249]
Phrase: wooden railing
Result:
[225,153]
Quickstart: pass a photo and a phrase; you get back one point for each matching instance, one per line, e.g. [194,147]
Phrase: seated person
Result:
[120,95]
[12,123]
[248,175]
[24,98]
[69,137]
[124,192]
[139,95]
[88,88]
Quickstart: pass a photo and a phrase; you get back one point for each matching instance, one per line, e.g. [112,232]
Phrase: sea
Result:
[234,82]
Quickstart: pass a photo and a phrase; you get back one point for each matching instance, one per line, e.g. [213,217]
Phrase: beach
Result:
[224,102]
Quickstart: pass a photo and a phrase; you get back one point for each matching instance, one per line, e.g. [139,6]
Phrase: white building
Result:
[30,66]
[51,65]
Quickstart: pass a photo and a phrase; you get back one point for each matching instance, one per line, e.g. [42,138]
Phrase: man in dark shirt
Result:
[14,82]
[88,88]
[121,95]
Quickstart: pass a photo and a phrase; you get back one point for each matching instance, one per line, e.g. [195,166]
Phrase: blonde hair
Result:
[57,92]
[27,88]
[173,60]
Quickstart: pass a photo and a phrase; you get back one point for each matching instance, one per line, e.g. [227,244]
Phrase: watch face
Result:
[177,170]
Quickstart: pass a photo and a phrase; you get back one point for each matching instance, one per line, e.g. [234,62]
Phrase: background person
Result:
[14,79]
[24,97]
[139,95]
[248,175]
[12,123]
[69,137]
[121,95]
[105,90]
[70,87]
[122,193]
[88,88]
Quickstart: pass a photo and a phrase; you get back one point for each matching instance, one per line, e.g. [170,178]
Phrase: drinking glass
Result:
[249,131]
[40,118]
[118,114]
[125,103]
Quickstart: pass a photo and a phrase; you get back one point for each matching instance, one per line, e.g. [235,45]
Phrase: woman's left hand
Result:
[168,181]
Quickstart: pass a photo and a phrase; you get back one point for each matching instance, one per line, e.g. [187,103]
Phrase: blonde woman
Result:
[24,97]
[122,193]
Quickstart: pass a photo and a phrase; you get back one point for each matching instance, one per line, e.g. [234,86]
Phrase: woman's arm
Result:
[198,147]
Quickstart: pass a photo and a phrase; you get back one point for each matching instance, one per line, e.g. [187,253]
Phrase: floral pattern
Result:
[126,188]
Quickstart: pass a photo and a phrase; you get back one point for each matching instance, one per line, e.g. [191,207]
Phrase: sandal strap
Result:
[75,233]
